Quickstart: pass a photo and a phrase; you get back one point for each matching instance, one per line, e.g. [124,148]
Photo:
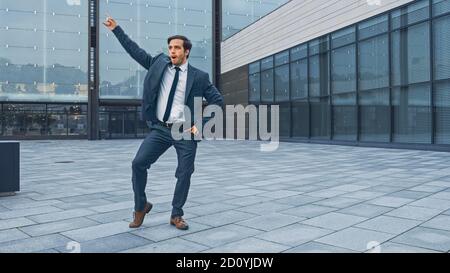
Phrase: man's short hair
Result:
[187,45]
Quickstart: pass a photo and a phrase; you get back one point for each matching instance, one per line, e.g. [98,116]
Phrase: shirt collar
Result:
[183,67]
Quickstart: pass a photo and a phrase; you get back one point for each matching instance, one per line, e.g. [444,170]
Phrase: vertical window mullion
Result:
[431,43]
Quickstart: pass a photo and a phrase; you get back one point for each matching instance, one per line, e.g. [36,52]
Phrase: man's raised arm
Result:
[137,53]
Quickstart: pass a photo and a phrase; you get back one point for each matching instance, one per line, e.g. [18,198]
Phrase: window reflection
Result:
[237,14]
[149,23]
[37,63]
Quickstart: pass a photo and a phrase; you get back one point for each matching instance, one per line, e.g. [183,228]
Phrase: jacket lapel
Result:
[159,74]
[164,67]
[190,82]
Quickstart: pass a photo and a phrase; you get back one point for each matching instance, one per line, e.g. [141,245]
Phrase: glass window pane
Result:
[2,120]
[299,79]
[267,63]
[441,7]
[441,41]
[149,23]
[282,58]
[78,120]
[58,119]
[267,86]
[320,118]
[282,83]
[343,37]
[373,27]
[375,115]
[25,119]
[37,63]
[299,52]
[300,119]
[255,87]
[343,69]
[344,117]
[237,14]
[374,63]
[253,68]
[412,114]
[285,120]
[411,55]
[410,14]
[319,45]
[318,75]
[442,110]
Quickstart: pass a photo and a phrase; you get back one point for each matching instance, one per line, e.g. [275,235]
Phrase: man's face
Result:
[177,54]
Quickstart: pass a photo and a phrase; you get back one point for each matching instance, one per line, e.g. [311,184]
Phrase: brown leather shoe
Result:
[140,215]
[179,223]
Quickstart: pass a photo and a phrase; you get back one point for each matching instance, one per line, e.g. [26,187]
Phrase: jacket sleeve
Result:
[137,53]
[212,96]
[210,92]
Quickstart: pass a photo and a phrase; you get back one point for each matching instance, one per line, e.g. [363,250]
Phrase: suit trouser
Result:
[155,144]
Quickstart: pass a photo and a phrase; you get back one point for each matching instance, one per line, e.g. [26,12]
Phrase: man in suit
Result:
[171,84]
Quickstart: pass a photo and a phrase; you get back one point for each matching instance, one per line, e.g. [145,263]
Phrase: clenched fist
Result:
[110,23]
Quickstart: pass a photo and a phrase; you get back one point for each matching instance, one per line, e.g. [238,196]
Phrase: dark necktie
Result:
[172,94]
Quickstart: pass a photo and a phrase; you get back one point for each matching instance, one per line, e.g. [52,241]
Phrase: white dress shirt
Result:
[177,111]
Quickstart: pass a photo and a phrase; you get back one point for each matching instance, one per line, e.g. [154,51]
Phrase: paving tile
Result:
[246,192]
[113,216]
[28,212]
[327,188]
[279,194]
[222,235]
[166,231]
[422,237]
[325,193]
[389,224]
[390,247]
[410,194]
[441,195]
[265,208]
[249,245]
[432,203]
[416,213]
[355,239]
[211,208]
[113,207]
[294,235]
[15,222]
[111,244]
[223,218]
[57,227]
[34,244]
[308,211]
[62,215]
[363,195]
[98,231]
[176,245]
[389,201]
[270,221]
[366,210]
[315,247]
[298,200]
[335,221]
[246,200]
[12,235]
[338,202]
[439,222]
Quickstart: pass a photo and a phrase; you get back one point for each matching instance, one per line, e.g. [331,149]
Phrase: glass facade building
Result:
[149,23]
[238,14]
[383,80]
[44,68]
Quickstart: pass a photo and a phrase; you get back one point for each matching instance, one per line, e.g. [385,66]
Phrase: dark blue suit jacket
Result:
[198,84]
